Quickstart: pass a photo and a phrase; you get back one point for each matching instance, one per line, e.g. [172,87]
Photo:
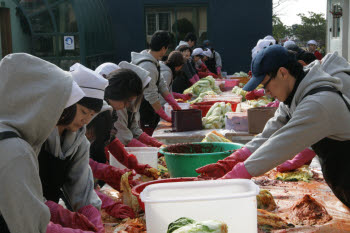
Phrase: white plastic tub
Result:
[144,155]
[231,201]
[168,108]
[237,121]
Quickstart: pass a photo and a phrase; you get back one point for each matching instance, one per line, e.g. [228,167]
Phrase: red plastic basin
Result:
[205,106]
[139,188]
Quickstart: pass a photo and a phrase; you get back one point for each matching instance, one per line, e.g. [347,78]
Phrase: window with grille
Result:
[157,21]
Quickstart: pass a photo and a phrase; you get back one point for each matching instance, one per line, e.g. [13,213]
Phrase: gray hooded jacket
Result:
[151,93]
[33,94]
[79,190]
[167,75]
[313,118]
[124,133]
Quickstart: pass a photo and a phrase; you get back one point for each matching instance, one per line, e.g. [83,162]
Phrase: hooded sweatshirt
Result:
[124,133]
[79,190]
[167,75]
[313,118]
[33,94]
[151,93]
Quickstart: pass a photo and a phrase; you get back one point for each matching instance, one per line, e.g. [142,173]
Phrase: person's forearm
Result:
[165,94]
[156,106]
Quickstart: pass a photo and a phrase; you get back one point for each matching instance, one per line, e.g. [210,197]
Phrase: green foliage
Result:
[312,27]
[279,30]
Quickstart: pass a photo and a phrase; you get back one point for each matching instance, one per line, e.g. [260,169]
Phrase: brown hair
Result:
[175,59]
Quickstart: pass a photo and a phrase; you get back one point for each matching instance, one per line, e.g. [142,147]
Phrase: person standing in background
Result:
[312,48]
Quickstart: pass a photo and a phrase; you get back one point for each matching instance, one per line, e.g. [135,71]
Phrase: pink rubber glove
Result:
[275,104]
[128,160]
[94,216]
[182,96]
[193,80]
[163,115]
[196,77]
[220,168]
[66,218]
[115,209]
[218,70]
[255,94]
[136,143]
[238,172]
[170,99]
[148,140]
[109,174]
[56,228]
[299,160]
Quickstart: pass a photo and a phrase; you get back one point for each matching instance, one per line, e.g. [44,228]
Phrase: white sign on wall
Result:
[68,42]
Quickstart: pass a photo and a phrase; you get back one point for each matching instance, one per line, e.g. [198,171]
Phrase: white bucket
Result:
[168,108]
[144,155]
[231,201]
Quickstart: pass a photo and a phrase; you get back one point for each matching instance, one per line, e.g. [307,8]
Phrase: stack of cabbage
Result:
[215,118]
[239,91]
[201,95]
[214,136]
[187,225]
[204,85]
[240,74]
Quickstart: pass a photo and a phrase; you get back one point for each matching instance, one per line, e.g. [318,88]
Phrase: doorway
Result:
[5,31]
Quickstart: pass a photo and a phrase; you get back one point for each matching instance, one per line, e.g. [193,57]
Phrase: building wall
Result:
[21,42]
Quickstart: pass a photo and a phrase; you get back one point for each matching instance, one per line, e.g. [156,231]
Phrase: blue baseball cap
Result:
[266,61]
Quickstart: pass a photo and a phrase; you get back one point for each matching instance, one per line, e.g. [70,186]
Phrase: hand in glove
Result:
[299,160]
[182,96]
[128,160]
[115,209]
[150,141]
[94,216]
[109,174]
[170,99]
[255,94]
[220,168]
[238,172]
[163,115]
[218,70]
[136,143]
[66,218]
[56,228]
[193,80]
[275,104]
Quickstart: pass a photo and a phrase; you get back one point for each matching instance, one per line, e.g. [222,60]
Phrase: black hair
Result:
[101,127]
[123,84]
[190,37]
[307,57]
[293,67]
[159,40]
[91,103]
[175,59]
[183,48]
[67,115]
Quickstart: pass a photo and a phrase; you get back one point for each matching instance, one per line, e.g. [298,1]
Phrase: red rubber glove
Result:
[193,80]
[67,218]
[136,143]
[163,115]
[196,77]
[299,160]
[220,168]
[182,96]
[275,104]
[56,228]
[255,94]
[94,216]
[238,172]
[109,174]
[115,209]
[148,140]
[128,160]
[170,99]
[212,74]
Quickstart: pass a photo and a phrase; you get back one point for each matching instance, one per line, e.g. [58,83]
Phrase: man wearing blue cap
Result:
[314,111]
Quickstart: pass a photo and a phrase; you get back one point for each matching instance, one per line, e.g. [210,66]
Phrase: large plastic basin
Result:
[183,159]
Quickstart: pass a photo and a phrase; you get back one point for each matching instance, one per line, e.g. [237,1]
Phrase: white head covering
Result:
[288,42]
[106,68]
[142,73]
[92,84]
[198,51]
[207,53]
[312,42]
[75,95]
[260,46]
